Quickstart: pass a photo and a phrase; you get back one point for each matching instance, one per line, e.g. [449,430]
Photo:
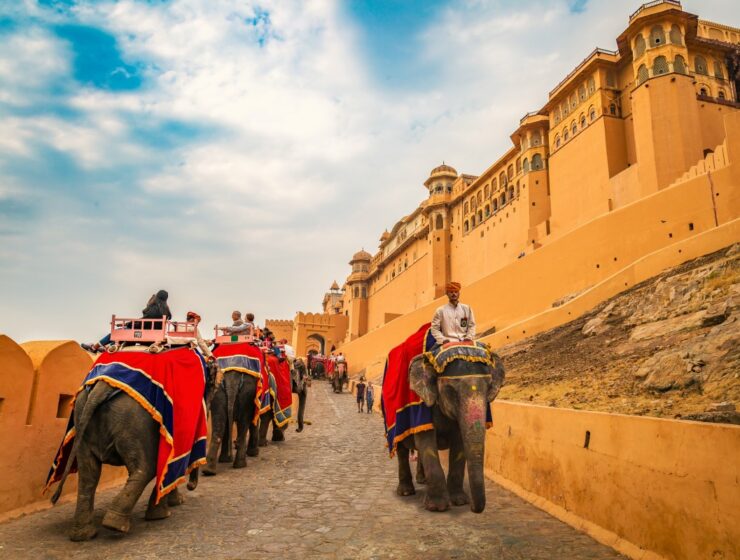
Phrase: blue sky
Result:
[238,153]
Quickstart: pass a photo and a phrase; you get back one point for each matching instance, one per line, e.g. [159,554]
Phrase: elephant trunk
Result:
[231,391]
[473,430]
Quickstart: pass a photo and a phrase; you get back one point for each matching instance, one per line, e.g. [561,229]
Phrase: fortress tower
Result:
[437,213]
[357,293]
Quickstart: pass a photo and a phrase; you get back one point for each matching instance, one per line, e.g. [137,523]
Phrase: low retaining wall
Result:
[38,381]
[649,487]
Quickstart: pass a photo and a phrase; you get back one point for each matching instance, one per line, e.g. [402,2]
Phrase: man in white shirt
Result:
[453,321]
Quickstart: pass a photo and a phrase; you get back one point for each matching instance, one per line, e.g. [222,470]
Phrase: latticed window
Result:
[591,85]
[480,216]
[583,121]
[518,165]
[488,210]
[582,93]
[439,222]
[700,65]
[660,66]
[502,199]
[557,141]
[676,37]
[485,191]
[591,113]
[525,163]
[494,184]
[557,115]
[642,74]
[574,101]
[466,208]
[679,64]
[510,172]
[657,36]
[565,109]
[495,204]
[639,46]
[611,79]
[511,193]
[573,128]
[536,162]
[536,138]
[502,179]
[565,135]
[718,72]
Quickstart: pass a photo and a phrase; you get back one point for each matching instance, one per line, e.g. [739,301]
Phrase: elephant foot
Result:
[459,498]
[436,503]
[83,533]
[116,521]
[253,452]
[405,489]
[263,443]
[155,513]
[277,435]
[240,464]
[208,471]
[225,459]
[175,499]
[299,429]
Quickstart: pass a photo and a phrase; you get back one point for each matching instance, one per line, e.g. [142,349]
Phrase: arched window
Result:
[465,207]
[612,109]
[472,221]
[525,163]
[679,64]
[582,120]
[485,191]
[557,141]
[700,65]
[642,74]
[565,109]
[573,102]
[565,135]
[721,94]
[494,184]
[537,162]
[517,188]
[573,128]
[495,204]
[502,198]
[639,46]
[364,291]
[502,179]
[439,222]
[591,113]
[582,93]
[466,226]
[536,138]
[511,193]
[591,85]
[657,36]
[357,290]
[660,66]
[488,210]
[611,78]
[473,203]
[718,72]
[703,92]
[510,172]
[479,198]
[676,37]
[518,165]
[480,216]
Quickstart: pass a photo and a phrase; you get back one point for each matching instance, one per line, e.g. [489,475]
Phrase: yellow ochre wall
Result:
[646,486]
[37,381]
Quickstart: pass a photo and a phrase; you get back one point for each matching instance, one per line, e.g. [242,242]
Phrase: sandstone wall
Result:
[647,486]
[38,381]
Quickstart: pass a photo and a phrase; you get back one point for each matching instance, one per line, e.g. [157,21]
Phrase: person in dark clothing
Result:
[155,308]
[360,394]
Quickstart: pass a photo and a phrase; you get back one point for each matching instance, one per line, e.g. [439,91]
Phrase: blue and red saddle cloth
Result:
[279,394]
[170,386]
[249,360]
[404,412]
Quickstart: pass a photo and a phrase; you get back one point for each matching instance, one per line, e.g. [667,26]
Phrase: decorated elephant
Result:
[120,417]
[339,377]
[277,399]
[299,385]
[458,392]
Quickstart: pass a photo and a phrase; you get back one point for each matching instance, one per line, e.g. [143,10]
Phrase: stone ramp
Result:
[328,492]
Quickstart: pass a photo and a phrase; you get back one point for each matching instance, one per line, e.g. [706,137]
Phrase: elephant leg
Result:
[226,455]
[437,497]
[155,512]
[193,479]
[302,396]
[253,449]
[421,478]
[118,516]
[175,498]
[277,433]
[265,420]
[405,482]
[456,471]
[242,427]
[218,424]
[83,528]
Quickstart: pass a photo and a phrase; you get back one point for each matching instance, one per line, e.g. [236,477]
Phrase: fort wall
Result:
[38,382]
[649,487]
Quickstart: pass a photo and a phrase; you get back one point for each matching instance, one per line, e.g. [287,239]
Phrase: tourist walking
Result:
[370,396]
[360,394]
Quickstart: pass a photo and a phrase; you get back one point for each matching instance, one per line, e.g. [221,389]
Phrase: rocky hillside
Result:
[668,347]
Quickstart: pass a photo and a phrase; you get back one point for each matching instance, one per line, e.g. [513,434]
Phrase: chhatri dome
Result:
[442,174]
[361,255]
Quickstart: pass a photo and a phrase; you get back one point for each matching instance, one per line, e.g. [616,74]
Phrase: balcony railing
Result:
[596,51]
[654,3]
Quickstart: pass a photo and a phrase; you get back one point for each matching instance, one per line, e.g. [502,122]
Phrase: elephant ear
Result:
[497,376]
[423,380]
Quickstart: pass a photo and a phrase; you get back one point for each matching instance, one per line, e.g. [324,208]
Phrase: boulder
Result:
[666,371]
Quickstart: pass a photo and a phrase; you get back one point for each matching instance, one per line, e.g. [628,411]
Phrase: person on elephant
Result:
[249,323]
[360,394]
[370,396]
[194,319]
[453,321]
[237,325]
[155,308]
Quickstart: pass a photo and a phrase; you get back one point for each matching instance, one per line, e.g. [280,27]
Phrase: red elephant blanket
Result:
[247,359]
[170,386]
[404,413]
[281,396]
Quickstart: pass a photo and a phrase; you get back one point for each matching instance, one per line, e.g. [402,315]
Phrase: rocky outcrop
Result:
[669,346]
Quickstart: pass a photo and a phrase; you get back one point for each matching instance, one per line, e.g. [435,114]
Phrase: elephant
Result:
[339,377]
[458,398]
[233,402]
[113,429]
[318,370]
[300,384]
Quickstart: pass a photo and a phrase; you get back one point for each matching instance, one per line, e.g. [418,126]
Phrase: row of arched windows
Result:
[493,206]
[660,66]
[570,131]
[583,92]
[657,38]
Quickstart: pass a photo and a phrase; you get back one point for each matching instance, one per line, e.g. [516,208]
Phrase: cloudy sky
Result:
[237,152]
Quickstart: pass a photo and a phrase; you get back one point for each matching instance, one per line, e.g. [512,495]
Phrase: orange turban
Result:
[193,316]
[453,287]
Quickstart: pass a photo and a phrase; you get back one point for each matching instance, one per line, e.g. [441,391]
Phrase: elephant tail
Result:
[97,396]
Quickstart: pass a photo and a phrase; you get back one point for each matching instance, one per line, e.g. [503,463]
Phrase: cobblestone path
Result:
[328,492]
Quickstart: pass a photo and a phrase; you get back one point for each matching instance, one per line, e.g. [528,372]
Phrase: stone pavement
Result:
[328,492]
